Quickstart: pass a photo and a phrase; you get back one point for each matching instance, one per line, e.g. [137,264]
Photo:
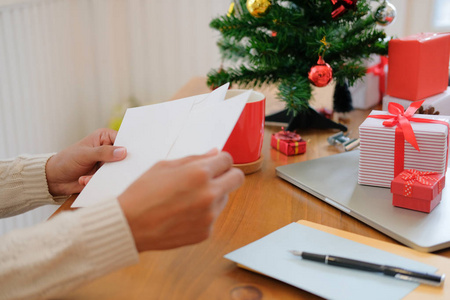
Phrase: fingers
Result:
[213,151]
[220,204]
[103,136]
[84,180]
[219,163]
[209,166]
[106,136]
[192,158]
[230,180]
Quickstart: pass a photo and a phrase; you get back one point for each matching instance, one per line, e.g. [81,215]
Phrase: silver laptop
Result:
[334,179]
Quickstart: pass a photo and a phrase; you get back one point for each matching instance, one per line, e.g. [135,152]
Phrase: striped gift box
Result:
[377,149]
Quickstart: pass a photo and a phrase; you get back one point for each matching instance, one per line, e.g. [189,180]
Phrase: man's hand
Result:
[69,170]
[175,203]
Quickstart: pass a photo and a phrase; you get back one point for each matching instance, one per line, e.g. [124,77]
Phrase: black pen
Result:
[396,272]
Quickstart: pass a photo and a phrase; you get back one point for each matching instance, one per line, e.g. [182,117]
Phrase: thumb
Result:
[108,153]
[119,153]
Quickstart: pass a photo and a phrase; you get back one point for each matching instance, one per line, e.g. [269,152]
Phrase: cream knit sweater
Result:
[71,249]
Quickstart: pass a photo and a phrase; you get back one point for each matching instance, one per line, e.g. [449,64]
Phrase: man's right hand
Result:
[176,203]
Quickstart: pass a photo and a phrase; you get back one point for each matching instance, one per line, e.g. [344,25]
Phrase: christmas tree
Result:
[294,44]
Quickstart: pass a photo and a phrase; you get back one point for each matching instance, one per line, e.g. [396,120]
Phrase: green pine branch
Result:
[281,46]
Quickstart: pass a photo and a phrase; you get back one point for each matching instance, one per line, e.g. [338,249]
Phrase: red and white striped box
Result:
[377,149]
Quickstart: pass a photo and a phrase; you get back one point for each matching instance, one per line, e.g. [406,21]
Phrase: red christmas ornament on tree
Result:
[321,74]
[341,6]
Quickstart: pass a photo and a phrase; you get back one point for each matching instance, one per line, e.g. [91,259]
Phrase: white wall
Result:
[69,62]
[415,16]
[64,64]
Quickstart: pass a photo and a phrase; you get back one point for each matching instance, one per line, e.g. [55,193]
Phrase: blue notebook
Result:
[270,256]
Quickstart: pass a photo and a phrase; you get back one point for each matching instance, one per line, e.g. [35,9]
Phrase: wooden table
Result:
[262,205]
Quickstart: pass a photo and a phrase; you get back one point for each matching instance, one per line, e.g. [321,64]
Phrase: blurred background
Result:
[68,66]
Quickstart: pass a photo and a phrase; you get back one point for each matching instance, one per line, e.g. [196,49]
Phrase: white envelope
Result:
[163,131]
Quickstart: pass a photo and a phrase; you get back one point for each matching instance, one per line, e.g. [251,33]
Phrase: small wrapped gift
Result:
[418,66]
[393,141]
[440,102]
[287,142]
[417,190]
[369,91]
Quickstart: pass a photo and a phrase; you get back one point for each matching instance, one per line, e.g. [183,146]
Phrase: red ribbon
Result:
[411,176]
[403,130]
[288,136]
[378,70]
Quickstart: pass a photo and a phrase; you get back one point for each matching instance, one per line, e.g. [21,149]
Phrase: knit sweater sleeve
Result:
[73,248]
[23,184]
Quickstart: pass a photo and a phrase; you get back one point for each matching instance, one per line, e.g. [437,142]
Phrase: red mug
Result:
[246,139]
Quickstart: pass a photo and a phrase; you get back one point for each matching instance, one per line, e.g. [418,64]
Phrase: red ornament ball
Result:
[321,74]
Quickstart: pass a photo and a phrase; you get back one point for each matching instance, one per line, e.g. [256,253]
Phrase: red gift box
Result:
[417,190]
[288,143]
[418,66]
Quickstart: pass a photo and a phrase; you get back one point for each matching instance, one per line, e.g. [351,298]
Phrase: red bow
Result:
[419,176]
[288,136]
[411,176]
[402,119]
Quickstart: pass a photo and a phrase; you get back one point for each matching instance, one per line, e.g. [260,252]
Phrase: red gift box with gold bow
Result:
[287,142]
[417,190]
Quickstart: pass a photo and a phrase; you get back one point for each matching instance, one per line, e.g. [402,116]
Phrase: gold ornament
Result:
[230,10]
[258,8]
[234,9]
